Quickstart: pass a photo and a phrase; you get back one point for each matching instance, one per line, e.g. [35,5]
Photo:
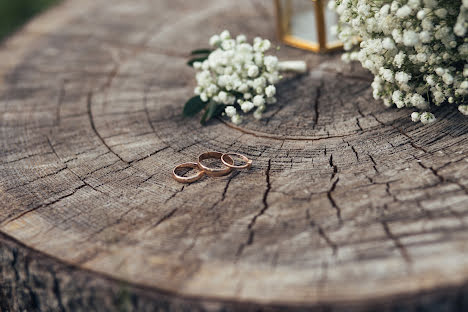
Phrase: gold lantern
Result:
[307,24]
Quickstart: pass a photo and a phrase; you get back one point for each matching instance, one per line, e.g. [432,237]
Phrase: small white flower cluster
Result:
[425,118]
[416,49]
[238,74]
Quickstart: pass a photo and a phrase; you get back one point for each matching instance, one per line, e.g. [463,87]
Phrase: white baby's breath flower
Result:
[418,101]
[459,29]
[402,77]
[252,71]
[241,38]
[421,14]
[448,79]
[425,36]
[397,98]
[463,109]
[228,44]
[223,96]
[410,38]
[427,118]
[386,74]
[247,106]
[388,44]
[441,13]
[261,45]
[211,90]
[236,119]
[225,35]
[230,111]
[430,3]
[270,91]
[271,100]
[439,71]
[271,63]
[415,116]
[258,100]
[258,112]
[214,40]
[403,12]
[399,59]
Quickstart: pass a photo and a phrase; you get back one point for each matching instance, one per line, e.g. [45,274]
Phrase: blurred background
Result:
[14,13]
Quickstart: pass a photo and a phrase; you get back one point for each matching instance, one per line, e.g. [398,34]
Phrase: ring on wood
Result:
[247,165]
[214,172]
[188,179]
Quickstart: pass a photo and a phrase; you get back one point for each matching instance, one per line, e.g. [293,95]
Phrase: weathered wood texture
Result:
[348,204]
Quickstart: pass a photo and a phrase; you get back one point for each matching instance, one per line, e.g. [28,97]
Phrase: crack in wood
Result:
[358,124]
[149,155]
[440,177]
[36,179]
[387,190]
[373,161]
[318,92]
[100,168]
[396,241]
[333,202]
[25,157]
[327,239]
[332,165]
[414,145]
[252,222]
[353,149]
[164,218]
[72,171]
[93,127]
[228,182]
[169,214]
[174,194]
[44,205]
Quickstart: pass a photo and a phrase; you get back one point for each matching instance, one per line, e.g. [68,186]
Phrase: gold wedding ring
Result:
[188,179]
[214,172]
[247,165]
[225,158]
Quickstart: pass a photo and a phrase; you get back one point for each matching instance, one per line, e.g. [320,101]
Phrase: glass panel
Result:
[302,23]
[299,26]
[285,16]
[331,19]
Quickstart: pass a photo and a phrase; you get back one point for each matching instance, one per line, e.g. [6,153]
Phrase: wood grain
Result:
[348,206]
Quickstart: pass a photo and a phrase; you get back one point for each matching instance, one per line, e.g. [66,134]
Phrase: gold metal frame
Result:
[282,29]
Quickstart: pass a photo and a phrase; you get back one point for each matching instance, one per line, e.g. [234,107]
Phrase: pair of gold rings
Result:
[225,158]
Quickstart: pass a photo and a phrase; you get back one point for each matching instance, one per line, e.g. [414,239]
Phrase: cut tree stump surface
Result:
[348,203]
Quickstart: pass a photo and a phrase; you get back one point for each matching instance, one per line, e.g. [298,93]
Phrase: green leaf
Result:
[193,106]
[201,51]
[214,109]
[197,59]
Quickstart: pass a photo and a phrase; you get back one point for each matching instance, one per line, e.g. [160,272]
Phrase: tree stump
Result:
[349,206]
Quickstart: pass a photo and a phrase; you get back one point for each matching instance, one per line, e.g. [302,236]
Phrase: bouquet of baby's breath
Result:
[417,50]
[235,77]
